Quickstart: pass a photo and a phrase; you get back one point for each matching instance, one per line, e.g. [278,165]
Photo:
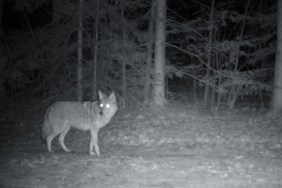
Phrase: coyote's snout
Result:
[92,116]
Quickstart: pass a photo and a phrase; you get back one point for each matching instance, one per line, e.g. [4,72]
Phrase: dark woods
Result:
[218,52]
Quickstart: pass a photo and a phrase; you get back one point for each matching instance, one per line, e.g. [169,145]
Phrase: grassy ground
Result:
[184,146]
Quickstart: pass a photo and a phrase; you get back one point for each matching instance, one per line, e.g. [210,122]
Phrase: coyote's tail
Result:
[45,131]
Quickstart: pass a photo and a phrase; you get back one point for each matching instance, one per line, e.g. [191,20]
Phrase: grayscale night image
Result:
[141,93]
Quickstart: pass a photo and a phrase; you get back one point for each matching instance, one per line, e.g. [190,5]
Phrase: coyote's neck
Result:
[100,120]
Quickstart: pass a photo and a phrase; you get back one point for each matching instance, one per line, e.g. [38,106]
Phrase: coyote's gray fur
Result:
[92,116]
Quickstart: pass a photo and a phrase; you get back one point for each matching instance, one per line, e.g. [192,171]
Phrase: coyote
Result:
[92,116]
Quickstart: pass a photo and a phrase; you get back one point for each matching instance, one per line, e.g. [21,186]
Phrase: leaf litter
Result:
[183,146]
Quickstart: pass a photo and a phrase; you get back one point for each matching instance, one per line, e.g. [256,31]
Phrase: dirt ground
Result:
[181,147]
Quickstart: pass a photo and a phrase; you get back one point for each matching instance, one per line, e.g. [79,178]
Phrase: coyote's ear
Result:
[112,97]
[101,95]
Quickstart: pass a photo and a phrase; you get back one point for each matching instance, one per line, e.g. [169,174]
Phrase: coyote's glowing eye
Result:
[108,106]
[101,105]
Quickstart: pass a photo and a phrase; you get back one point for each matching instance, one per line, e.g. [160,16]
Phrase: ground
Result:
[183,146]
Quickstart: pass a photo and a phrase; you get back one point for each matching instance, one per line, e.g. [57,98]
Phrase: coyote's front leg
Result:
[94,143]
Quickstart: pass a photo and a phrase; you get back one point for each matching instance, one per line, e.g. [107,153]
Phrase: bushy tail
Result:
[45,131]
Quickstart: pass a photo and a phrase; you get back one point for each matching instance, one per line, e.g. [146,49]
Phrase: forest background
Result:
[218,53]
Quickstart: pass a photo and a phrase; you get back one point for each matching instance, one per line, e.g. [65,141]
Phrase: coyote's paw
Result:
[93,153]
[68,150]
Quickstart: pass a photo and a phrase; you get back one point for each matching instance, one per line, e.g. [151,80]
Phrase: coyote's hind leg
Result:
[62,138]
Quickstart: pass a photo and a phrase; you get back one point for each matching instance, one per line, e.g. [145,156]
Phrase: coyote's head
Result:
[108,104]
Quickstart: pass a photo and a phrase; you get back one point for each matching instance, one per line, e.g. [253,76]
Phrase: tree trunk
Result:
[159,58]
[124,84]
[207,95]
[277,91]
[79,55]
[148,70]
[95,51]
[1,12]
[235,89]
[2,77]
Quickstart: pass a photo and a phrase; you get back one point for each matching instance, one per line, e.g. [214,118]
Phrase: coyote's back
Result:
[92,116]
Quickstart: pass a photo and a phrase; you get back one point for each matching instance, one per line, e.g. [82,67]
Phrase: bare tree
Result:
[277,92]
[1,11]
[95,50]
[124,84]
[79,54]
[2,88]
[159,57]
[209,60]
[148,73]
